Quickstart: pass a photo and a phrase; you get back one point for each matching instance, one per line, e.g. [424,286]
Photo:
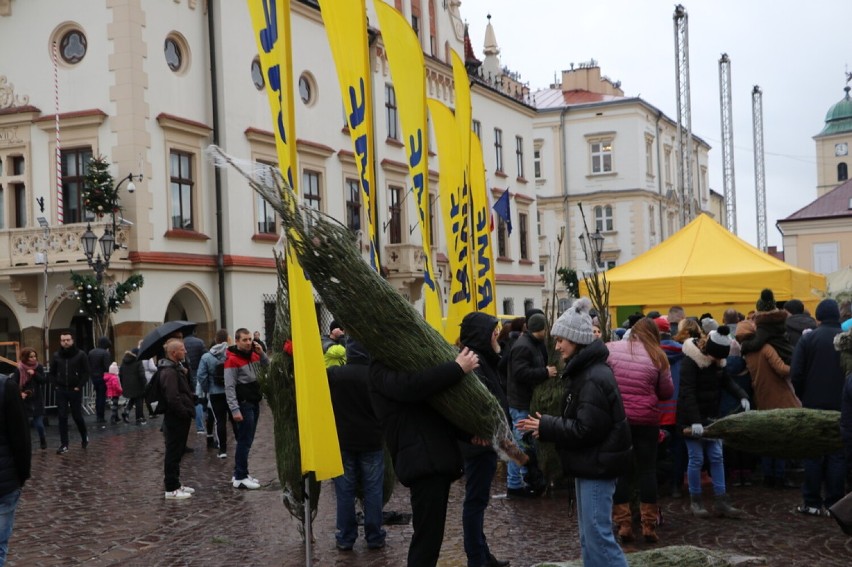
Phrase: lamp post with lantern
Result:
[597,285]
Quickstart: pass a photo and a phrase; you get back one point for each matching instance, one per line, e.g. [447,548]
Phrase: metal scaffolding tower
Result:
[729,182]
[684,114]
[759,169]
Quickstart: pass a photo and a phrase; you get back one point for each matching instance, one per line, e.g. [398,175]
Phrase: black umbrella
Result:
[152,344]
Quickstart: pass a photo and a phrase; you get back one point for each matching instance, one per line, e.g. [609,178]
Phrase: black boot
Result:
[494,562]
[125,417]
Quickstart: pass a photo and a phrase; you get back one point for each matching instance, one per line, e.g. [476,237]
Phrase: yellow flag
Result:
[455,212]
[346,27]
[317,431]
[483,253]
[409,79]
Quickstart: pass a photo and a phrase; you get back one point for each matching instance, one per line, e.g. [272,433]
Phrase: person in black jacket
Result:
[479,333]
[133,383]
[702,378]
[592,435]
[818,379]
[15,457]
[527,367]
[422,443]
[99,361]
[69,372]
[360,435]
[180,409]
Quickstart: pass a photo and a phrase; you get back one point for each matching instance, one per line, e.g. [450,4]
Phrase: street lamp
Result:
[108,244]
[596,246]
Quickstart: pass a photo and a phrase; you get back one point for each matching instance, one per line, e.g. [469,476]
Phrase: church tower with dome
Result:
[833,145]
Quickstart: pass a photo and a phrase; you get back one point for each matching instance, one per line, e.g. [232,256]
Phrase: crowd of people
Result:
[630,425]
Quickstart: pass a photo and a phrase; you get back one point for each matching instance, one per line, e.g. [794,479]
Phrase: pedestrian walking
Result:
[30,377]
[133,382]
[69,372]
[99,361]
[113,390]
[211,380]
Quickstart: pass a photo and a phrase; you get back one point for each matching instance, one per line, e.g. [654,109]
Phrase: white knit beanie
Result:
[576,323]
[113,368]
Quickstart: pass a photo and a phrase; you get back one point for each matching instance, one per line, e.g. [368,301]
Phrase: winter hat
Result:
[766,301]
[709,324]
[718,343]
[113,368]
[745,330]
[794,307]
[653,315]
[333,325]
[663,325]
[827,310]
[536,323]
[575,324]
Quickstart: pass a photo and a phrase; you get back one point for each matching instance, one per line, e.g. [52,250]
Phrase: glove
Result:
[697,430]
[745,404]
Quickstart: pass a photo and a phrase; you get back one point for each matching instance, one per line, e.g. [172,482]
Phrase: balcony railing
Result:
[25,247]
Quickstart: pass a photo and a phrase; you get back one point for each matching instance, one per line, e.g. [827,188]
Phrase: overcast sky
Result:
[797,52]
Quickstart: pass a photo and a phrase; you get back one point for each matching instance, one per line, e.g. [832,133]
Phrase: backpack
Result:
[219,373]
[154,394]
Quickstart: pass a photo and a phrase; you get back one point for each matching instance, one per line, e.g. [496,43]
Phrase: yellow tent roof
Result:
[704,263]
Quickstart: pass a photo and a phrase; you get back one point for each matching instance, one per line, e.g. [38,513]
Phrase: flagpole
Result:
[308,535]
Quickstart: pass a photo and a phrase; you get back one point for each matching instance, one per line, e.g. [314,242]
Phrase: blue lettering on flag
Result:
[269,35]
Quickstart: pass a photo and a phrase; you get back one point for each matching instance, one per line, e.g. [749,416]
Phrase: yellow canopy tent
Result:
[705,268]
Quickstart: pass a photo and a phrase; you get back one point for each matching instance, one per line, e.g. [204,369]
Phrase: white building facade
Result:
[135,85]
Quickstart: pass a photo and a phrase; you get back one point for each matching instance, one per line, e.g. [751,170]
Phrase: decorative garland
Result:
[99,191]
[96,300]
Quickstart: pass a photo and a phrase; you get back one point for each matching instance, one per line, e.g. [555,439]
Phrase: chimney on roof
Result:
[587,77]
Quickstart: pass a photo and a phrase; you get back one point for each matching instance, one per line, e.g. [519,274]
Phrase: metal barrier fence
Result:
[49,393]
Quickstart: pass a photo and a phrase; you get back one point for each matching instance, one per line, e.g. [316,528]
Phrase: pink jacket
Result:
[113,385]
[641,384]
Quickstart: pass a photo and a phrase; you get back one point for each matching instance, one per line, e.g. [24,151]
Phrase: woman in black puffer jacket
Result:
[592,435]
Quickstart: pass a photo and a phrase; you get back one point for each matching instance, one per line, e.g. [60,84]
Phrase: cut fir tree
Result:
[374,313]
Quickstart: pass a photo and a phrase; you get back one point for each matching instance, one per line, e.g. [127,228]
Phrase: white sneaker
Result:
[187,489]
[222,455]
[177,495]
[248,483]
[248,476]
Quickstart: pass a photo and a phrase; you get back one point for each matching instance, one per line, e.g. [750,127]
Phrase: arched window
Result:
[842,171]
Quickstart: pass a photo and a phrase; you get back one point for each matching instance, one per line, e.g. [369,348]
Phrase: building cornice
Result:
[79,119]
[172,122]
[314,148]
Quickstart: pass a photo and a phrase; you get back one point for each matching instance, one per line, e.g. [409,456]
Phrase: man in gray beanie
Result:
[818,379]
[591,432]
[527,367]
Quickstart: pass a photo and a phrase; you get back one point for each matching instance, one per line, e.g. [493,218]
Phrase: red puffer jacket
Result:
[641,383]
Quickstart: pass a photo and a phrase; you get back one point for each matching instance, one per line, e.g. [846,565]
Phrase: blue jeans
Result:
[829,469]
[366,469]
[594,519]
[478,473]
[8,503]
[515,473]
[697,449]
[245,437]
[199,418]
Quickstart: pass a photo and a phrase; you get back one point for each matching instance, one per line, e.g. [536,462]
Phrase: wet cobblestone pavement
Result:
[104,506]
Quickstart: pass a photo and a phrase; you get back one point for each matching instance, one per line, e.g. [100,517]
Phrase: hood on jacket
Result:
[218,350]
[745,330]
[690,349]
[476,331]
[129,356]
[801,322]
[104,343]
[356,353]
[776,317]
[843,342]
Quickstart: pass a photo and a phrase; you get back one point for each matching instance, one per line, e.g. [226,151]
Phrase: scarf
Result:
[23,374]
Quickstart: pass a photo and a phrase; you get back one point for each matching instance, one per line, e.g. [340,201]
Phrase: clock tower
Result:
[833,145]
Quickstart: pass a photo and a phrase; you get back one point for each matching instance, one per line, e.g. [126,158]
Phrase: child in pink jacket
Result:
[113,389]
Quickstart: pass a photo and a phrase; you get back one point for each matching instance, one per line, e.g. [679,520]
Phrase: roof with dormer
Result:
[835,203]
[838,119]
